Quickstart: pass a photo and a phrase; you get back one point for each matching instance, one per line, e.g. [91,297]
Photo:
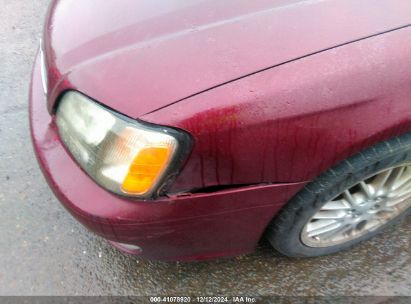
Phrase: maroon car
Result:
[185,130]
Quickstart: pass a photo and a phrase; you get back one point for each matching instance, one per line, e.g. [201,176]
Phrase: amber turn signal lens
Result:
[145,169]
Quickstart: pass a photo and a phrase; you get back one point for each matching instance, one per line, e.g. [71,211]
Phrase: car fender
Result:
[291,122]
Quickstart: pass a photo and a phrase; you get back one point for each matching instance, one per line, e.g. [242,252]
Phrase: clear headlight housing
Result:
[122,155]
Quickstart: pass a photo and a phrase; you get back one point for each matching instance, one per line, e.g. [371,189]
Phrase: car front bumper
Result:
[189,227]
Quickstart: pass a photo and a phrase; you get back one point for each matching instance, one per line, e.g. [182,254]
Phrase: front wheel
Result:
[348,204]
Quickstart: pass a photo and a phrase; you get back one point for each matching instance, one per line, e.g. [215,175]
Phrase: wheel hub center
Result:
[368,205]
[371,204]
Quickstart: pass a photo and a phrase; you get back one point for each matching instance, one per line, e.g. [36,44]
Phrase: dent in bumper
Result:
[198,226]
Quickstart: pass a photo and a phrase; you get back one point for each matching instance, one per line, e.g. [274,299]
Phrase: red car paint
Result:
[273,93]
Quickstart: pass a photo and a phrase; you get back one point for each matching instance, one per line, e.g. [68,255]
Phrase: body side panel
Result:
[292,122]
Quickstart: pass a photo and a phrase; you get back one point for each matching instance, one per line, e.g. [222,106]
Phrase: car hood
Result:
[139,56]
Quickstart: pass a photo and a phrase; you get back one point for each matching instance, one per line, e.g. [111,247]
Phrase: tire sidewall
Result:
[286,236]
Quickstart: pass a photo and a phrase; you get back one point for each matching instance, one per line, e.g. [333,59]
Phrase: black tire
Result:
[284,231]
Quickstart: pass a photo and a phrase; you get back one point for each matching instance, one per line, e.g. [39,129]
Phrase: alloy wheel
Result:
[361,208]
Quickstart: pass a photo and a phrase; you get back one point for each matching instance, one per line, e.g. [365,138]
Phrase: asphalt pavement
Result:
[44,251]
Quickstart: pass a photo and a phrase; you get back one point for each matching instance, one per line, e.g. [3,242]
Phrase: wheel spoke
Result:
[399,174]
[318,224]
[405,184]
[349,198]
[395,200]
[382,179]
[337,205]
[329,214]
[322,228]
[395,177]
[388,209]
[337,231]
[366,189]
[401,195]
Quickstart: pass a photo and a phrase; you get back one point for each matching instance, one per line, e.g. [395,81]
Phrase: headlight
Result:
[122,155]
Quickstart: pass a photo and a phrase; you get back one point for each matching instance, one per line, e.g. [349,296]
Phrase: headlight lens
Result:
[121,154]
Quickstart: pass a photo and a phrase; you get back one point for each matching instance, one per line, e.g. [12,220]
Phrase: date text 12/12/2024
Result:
[204,299]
